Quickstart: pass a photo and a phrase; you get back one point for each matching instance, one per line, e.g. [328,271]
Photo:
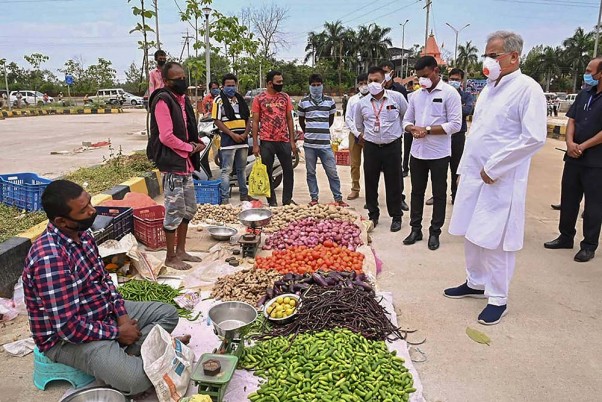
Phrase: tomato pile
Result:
[306,260]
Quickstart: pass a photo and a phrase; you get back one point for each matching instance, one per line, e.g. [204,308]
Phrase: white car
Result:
[131,99]
[30,98]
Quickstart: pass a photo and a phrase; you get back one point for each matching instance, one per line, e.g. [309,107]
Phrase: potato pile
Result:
[212,214]
[248,285]
[282,216]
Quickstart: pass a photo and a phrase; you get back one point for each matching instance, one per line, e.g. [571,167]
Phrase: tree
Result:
[36,75]
[196,66]
[315,42]
[144,29]
[578,51]
[334,42]
[266,22]
[133,82]
[548,64]
[102,74]
[467,56]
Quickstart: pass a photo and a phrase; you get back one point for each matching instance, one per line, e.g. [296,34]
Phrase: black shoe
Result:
[405,173]
[584,255]
[430,201]
[558,243]
[492,314]
[415,235]
[404,206]
[374,221]
[273,204]
[365,206]
[555,207]
[464,291]
[433,242]
[396,225]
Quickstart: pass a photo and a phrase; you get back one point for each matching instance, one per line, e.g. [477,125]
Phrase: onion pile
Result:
[310,232]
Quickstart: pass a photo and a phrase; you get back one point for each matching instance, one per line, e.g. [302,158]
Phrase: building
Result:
[401,56]
[432,49]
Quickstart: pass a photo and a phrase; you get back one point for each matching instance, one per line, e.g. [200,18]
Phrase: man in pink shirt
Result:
[155,78]
[174,147]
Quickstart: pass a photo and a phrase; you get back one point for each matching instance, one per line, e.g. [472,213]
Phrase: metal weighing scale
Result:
[254,219]
[229,319]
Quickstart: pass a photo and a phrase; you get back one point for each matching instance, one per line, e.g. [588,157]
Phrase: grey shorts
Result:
[180,200]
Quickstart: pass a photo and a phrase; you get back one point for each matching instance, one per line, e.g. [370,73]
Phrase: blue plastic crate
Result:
[207,191]
[23,190]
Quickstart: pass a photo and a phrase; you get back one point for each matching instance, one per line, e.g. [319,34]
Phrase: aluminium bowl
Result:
[222,233]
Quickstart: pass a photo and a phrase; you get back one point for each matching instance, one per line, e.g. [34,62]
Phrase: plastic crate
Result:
[148,226]
[208,191]
[123,219]
[342,158]
[23,190]
[100,236]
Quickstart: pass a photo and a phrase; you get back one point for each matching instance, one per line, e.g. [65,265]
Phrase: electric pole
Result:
[598,31]
[426,31]
[157,22]
[403,39]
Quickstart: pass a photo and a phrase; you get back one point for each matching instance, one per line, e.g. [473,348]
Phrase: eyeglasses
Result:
[493,55]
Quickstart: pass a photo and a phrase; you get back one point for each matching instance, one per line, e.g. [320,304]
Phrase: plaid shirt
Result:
[69,295]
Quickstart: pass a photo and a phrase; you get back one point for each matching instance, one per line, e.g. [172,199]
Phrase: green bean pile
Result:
[143,291]
[334,365]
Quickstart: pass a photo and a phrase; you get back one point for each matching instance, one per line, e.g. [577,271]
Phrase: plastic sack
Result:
[259,181]
[7,310]
[19,298]
[167,364]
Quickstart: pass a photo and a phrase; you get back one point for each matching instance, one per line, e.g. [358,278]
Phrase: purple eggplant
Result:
[262,300]
[331,281]
[270,293]
[318,279]
[288,277]
[363,285]
[361,277]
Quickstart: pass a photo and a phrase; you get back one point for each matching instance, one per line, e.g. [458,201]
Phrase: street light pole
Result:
[403,39]
[156,6]
[598,31]
[426,31]
[10,107]
[207,12]
[457,31]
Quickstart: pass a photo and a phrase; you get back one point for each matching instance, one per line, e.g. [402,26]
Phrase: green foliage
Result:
[196,66]
[14,221]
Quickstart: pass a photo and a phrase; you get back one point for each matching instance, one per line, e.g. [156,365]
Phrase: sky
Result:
[89,29]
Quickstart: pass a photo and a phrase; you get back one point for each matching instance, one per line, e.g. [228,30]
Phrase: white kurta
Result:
[509,126]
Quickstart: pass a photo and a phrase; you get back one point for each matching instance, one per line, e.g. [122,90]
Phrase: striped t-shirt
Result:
[317,115]
[237,126]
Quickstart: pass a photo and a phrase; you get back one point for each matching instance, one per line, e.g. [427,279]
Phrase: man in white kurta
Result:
[508,128]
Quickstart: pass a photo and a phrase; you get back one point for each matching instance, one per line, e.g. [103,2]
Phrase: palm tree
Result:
[378,42]
[315,45]
[333,44]
[578,51]
[467,56]
[549,64]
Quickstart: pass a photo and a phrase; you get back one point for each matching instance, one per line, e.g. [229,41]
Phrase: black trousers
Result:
[385,159]
[457,149]
[269,149]
[407,146]
[420,174]
[579,181]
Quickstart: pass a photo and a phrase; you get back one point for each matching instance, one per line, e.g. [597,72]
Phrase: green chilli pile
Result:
[333,366]
[143,291]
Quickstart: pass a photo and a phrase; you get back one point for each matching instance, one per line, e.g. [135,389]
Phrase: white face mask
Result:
[388,77]
[425,83]
[455,84]
[375,88]
[492,68]
[363,89]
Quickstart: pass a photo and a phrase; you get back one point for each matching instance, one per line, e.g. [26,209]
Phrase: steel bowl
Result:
[222,232]
[255,217]
[284,320]
[97,394]
[231,318]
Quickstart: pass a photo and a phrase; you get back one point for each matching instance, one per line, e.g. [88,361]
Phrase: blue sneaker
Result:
[491,315]
[464,291]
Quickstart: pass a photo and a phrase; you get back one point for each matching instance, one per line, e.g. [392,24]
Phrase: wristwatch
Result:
[428,129]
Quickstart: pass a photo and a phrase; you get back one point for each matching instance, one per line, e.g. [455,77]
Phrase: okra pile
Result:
[334,365]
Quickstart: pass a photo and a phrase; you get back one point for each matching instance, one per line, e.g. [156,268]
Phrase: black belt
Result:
[384,145]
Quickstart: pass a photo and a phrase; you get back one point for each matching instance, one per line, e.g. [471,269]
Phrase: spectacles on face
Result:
[494,55]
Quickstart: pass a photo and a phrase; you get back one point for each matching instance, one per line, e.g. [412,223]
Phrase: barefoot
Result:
[187,257]
[185,339]
[176,263]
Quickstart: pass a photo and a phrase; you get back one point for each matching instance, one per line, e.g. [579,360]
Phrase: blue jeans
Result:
[330,167]
[229,158]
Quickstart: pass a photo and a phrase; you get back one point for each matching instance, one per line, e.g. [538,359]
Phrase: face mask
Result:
[316,92]
[215,92]
[230,91]
[375,88]
[388,77]
[492,68]
[363,89]
[161,63]
[589,79]
[277,87]
[179,86]
[425,83]
[455,84]
[82,225]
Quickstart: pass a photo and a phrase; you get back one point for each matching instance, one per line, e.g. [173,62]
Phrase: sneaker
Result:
[313,202]
[491,315]
[341,203]
[464,291]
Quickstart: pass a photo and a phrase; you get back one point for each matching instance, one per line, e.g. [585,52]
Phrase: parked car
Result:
[111,96]
[250,95]
[30,98]
[134,100]
[566,103]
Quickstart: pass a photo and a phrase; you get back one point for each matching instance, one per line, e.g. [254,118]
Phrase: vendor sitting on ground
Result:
[76,315]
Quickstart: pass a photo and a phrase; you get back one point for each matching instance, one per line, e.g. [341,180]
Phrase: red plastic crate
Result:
[148,226]
[342,158]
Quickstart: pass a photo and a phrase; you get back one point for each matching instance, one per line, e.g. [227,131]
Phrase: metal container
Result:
[255,217]
[284,320]
[97,394]
[222,233]
[231,317]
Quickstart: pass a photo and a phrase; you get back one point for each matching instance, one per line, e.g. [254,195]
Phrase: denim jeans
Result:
[330,167]
[237,157]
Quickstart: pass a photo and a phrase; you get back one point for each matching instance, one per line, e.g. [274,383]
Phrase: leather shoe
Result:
[353,195]
[430,201]
[555,207]
[404,206]
[559,243]
[433,242]
[396,225]
[415,235]
[405,173]
[584,255]
[374,221]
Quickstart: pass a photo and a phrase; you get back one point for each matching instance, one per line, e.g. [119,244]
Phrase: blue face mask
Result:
[230,91]
[589,79]
[215,92]
[316,92]
[455,84]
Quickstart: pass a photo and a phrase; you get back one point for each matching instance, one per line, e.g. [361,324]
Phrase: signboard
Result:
[69,79]
[475,86]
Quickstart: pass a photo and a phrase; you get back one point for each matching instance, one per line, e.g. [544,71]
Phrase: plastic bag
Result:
[167,364]
[259,181]
[19,298]
[7,310]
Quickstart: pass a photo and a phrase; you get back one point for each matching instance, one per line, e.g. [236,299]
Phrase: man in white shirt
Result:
[355,148]
[508,128]
[434,114]
[378,119]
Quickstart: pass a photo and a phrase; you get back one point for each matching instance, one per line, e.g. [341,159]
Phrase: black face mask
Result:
[179,86]
[277,87]
[81,225]
[161,63]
